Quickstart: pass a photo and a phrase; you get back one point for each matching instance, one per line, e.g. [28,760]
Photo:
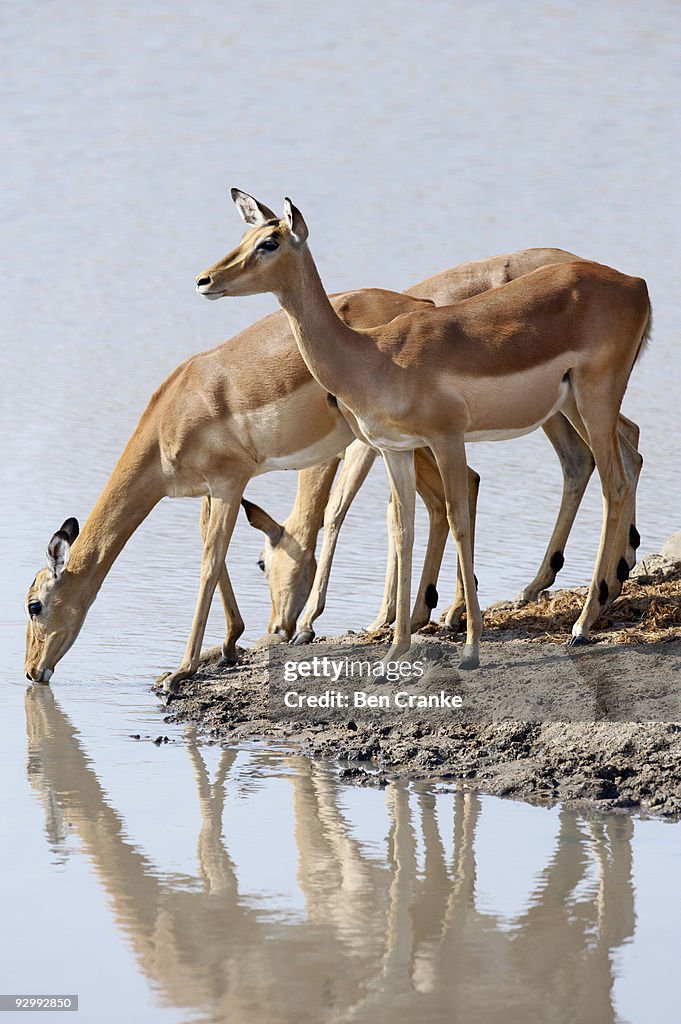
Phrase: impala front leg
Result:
[387,611]
[451,618]
[359,458]
[429,488]
[235,624]
[451,460]
[400,468]
[223,513]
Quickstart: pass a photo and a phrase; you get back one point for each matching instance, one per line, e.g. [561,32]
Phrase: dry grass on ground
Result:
[648,611]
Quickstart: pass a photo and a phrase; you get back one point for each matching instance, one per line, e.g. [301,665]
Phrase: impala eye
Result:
[34,608]
[269,244]
[261,565]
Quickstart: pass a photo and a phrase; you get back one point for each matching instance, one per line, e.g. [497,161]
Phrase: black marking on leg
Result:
[476,581]
[431,596]
[332,400]
[622,570]
[557,561]
[603,592]
[634,537]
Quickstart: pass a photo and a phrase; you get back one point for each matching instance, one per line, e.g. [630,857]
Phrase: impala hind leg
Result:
[616,487]
[452,617]
[451,461]
[619,565]
[219,527]
[235,623]
[359,458]
[577,463]
[401,473]
[630,432]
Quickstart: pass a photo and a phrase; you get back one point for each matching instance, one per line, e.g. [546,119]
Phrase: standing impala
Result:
[492,367]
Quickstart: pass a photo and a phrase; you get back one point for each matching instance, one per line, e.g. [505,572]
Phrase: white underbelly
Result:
[373,435]
[502,434]
[333,443]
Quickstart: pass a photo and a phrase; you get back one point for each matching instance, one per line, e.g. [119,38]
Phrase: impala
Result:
[247,407]
[575,457]
[495,366]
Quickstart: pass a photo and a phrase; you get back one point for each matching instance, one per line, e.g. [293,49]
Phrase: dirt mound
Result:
[541,720]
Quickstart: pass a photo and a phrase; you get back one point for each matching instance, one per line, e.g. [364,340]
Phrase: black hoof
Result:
[228,661]
[578,641]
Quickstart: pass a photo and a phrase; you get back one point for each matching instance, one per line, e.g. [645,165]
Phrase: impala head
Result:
[288,567]
[54,617]
[262,260]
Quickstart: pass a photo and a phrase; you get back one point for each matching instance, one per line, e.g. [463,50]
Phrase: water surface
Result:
[412,139]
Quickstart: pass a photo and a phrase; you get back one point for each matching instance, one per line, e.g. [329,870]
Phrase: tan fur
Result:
[212,425]
[562,335]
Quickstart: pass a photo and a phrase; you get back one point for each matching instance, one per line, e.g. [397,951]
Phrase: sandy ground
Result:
[539,720]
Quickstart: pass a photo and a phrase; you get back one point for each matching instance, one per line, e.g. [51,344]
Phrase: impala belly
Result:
[499,408]
[502,408]
[294,432]
[331,444]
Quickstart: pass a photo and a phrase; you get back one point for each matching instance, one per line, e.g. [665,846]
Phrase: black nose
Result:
[202,280]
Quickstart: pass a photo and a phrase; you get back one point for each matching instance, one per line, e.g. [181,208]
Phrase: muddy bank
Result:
[540,720]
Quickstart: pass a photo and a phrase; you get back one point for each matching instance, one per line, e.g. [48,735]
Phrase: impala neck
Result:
[133,489]
[328,347]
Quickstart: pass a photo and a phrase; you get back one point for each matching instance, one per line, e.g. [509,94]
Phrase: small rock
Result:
[671,548]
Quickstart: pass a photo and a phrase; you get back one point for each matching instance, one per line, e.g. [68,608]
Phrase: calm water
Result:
[411,143]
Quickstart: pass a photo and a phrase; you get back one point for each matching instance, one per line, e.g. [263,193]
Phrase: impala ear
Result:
[70,528]
[58,553]
[254,213]
[296,222]
[260,520]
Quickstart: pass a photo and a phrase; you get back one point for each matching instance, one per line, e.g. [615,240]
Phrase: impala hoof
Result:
[578,641]
[377,626]
[174,680]
[303,636]
[160,682]
[470,662]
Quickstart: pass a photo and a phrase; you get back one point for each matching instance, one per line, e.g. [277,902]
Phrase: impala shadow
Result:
[382,936]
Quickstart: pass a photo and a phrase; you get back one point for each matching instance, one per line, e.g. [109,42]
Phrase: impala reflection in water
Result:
[387,934]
